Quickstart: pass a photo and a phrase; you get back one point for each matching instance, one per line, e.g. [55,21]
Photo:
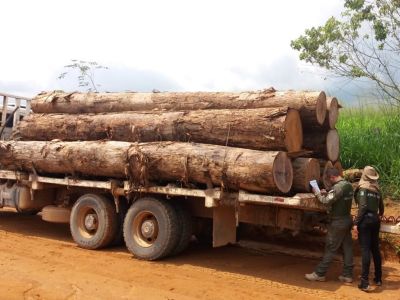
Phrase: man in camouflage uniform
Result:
[367,224]
[338,201]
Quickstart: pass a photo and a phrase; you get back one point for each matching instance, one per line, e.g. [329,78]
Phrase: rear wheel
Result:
[185,228]
[119,236]
[93,221]
[151,229]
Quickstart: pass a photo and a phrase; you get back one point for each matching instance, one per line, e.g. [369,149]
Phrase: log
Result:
[338,165]
[231,168]
[312,105]
[324,144]
[352,175]
[333,112]
[261,129]
[329,122]
[108,159]
[324,166]
[305,170]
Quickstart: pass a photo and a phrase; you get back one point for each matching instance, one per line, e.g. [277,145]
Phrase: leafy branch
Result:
[87,71]
[363,43]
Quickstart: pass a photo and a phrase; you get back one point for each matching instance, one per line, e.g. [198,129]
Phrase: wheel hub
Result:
[148,228]
[91,222]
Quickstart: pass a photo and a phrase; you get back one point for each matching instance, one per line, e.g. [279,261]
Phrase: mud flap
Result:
[224,226]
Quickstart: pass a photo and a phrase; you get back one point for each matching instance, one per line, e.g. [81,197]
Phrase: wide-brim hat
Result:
[370,173]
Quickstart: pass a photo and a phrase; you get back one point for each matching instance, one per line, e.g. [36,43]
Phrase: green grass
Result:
[371,136]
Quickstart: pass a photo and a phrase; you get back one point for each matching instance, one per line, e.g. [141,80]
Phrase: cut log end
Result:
[305,170]
[312,172]
[283,172]
[333,111]
[321,108]
[293,131]
[332,145]
[324,178]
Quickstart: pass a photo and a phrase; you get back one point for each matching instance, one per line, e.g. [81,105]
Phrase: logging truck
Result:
[154,221]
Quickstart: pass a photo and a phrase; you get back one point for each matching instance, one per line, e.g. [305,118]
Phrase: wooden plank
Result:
[4,110]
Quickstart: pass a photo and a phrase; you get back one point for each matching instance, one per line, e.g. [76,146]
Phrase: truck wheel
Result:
[151,229]
[93,221]
[119,236]
[186,229]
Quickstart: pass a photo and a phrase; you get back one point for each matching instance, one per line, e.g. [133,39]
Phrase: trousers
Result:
[338,235]
[368,236]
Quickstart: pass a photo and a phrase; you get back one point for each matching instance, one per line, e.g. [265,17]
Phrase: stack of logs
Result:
[261,141]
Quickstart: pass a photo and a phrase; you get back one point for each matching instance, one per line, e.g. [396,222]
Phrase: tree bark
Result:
[312,105]
[324,144]
[353,175]
[261,129]
[305,170]
[108,159]
[231,168]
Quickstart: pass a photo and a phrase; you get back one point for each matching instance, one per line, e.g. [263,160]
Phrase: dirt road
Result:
[39,261]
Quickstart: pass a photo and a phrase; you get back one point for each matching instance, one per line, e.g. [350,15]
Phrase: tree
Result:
[86,77]
[364,43]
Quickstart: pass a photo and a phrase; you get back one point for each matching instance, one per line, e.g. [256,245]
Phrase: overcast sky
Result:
[166,45]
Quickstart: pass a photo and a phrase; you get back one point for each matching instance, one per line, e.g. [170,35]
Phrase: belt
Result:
[340,217]
[371,214]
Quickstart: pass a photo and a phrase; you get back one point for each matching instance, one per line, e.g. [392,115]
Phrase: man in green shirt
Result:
[338,202]
[367,224]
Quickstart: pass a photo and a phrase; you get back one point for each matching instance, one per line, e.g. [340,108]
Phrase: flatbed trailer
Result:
[57,197]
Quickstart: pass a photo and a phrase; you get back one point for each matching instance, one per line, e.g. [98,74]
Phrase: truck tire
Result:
[151,229]
[93,221]
[55,214]
[119,236]
[185,229]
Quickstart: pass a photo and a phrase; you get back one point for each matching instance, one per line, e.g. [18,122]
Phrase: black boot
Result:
[377,282]
[364,286]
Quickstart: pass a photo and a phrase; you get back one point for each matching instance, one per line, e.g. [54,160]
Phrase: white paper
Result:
[315,186]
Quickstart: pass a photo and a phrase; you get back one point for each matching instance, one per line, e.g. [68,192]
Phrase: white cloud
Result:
[191,45]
